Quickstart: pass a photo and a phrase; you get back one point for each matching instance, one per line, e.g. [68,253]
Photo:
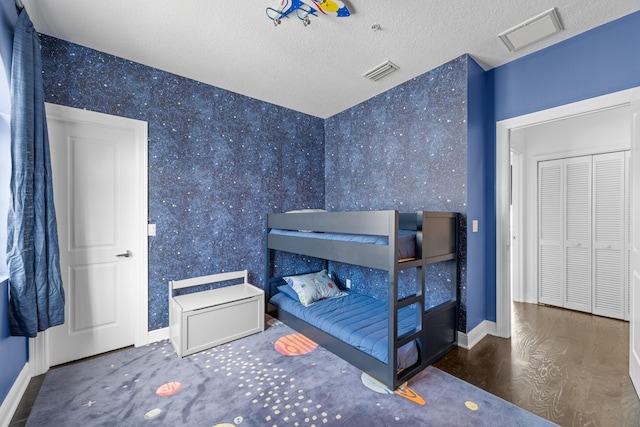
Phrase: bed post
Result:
[267,264]
[392,327]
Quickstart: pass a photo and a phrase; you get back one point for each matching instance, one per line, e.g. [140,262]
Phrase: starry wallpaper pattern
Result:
[219,161]
[404,149]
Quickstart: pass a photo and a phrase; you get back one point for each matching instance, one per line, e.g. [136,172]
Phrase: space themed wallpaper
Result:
[220,161]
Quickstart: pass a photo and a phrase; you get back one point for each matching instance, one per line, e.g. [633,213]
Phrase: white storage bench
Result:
[201,320]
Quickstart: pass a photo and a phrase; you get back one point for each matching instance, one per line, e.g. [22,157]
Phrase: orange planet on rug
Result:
[294,345]
[402,391]
[168,389]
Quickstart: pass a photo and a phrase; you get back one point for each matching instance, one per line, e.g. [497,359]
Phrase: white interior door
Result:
[577,230]
[550,230]
[608,235]
[96,163]
[634,324]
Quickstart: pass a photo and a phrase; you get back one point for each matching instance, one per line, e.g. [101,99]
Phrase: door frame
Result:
[39,346]
[503,153]
[634,318]
[516,229]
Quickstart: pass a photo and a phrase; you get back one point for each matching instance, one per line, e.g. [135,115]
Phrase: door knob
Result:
[126,254]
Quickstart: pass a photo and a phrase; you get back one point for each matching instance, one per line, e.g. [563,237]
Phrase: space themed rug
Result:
[274,378]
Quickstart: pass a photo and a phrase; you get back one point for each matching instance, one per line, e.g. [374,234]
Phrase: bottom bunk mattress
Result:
[357,320]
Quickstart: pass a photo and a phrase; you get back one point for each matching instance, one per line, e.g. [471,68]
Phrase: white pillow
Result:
[313,287]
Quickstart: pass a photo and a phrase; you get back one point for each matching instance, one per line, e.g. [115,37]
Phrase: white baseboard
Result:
[158,335]
[468,340]
[11,402]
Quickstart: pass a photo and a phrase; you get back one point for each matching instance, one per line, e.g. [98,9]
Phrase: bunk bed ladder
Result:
[395,304]
[419,306]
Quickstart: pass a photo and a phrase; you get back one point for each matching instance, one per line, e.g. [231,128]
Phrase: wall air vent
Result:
[532,30]
[380,71]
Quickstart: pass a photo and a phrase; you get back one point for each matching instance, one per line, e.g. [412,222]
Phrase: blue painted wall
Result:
[218,161]
[597,62]
[13,350]
[478,257]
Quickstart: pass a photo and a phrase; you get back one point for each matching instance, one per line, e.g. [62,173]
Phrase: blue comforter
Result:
[357,320]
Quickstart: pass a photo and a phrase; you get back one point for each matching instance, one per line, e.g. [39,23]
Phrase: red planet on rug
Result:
[168,389]
[294,345]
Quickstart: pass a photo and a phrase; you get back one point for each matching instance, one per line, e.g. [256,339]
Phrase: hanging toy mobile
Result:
[305,8]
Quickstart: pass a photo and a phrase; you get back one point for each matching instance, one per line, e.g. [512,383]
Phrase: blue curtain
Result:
[36,296]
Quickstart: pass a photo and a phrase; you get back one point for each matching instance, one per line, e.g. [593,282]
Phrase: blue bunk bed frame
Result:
[436,241]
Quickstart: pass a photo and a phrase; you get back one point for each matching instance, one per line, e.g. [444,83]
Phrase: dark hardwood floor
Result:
[28,399]
[568,367]
[31,393]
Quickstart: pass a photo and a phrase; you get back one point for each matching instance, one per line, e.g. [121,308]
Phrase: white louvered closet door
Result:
[550,232]
[584,227]
[608,235]
[577,228]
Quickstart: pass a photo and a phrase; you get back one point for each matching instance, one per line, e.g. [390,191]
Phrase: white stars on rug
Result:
[266,385]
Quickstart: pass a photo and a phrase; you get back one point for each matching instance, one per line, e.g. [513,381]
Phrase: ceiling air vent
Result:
[380,71]
[532,30]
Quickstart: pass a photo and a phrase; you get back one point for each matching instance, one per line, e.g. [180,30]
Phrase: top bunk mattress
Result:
[357,320]
[406,239]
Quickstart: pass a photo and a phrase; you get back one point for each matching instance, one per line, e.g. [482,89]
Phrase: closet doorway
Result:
[514,133]
[572,139]
[584,231]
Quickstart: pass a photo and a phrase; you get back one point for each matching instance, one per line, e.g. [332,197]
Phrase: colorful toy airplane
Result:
[305,8]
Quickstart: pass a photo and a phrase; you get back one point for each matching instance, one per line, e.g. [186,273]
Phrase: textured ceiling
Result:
[315,69]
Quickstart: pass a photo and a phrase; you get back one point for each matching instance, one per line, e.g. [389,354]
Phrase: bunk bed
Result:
[352,326]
